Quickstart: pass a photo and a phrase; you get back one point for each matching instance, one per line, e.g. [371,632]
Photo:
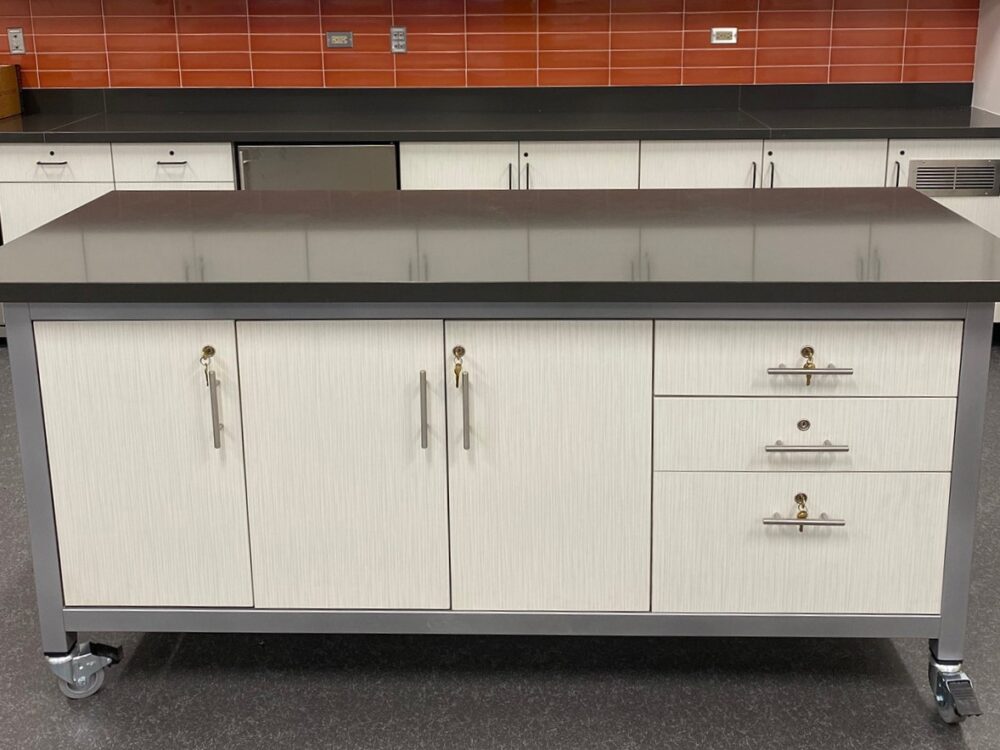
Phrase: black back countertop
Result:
[382,115]
[819,245]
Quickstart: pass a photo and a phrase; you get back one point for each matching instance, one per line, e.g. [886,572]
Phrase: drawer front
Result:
[713,553]
[732,357]
[731,434]
[55,162]
[173,162]
[174,186]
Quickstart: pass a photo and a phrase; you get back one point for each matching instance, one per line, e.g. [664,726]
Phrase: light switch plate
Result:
[15,41]
[397,39]
[339,39]
[725,35]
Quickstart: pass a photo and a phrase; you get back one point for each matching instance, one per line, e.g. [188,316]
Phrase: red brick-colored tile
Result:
[866,56]
[493,7]
[866,73]
[573,42]
[151,79]
[594,59]
[212,24]
[356,7]
[210,7]
[573,77]
[502,78]
[142,60]
[940,56]
[430,61]
[514,61]
[646,77]
[806,56]
[667,58]
[75,61]
[359,78]
[501,24]
[69,43]
[792,75]
[435,43]
[350,60]
[937,73]
[142,42]
[647,22]
[430,78]
[500,42]
[717,76]
[66,8]
[215,60]
[216,78]
[287,60]
[290,78]
[69,79]
[63,24]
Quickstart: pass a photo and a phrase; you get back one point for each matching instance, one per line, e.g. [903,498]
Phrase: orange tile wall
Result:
[280,43]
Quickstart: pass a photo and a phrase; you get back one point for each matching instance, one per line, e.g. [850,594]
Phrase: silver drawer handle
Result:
[825,447]
[52,163]
[823,520]
[465,410]
[782,370]
[213,390]
[423,409]
[171,163]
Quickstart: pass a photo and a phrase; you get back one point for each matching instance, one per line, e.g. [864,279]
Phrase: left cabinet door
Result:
[148,511]
[25,206]
[346,468]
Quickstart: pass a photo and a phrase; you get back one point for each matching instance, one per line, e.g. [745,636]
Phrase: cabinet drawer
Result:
[174,186]
[713,553]
[55,162]
[731,434]
[732,357]
[173,162]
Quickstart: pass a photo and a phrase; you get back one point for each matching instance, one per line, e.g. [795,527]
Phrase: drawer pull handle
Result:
[825,447]
[171,163]
[423,409]
[52,163]
[823,520]
[831,370]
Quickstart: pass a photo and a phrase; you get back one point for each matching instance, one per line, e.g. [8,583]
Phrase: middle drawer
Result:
[803,434]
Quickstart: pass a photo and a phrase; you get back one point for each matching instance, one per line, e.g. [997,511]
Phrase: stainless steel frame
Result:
[947,631]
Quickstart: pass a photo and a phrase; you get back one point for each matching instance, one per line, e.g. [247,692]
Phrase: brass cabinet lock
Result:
[808,352]
[458,353]
[803,512]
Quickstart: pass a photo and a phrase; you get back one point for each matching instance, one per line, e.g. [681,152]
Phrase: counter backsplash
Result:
[479,43]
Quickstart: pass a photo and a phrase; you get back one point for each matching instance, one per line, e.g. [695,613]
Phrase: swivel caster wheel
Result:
[81,672]
[89,685]
[953,692]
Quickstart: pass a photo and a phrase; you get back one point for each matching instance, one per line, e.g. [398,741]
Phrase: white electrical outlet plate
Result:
[397,39]
[15,41]
[339,39]
[725,35]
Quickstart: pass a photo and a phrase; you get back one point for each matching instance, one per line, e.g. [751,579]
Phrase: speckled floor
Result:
[208,691]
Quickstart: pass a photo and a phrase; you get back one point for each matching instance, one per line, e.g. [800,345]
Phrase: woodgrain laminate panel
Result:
[173,162]
[346,509]
[729,434]
[25,206]
[550,504]
[731,357]
[712,553]
[148,512]
[458,166]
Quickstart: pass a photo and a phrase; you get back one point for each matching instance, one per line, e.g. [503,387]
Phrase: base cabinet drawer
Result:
[733,357]
[713,553]
[173,162]
[803,434]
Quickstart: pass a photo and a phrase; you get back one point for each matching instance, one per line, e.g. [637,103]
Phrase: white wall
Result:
[986,94]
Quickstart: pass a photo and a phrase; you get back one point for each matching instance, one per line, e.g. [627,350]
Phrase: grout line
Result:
[609,41]
[684,38]
[392,22]
[756,41]
[104,37]
[322,43]
[177,40]
[906,26]
[829,52]
[249,43]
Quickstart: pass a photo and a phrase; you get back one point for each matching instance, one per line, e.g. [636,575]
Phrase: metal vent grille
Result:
[956,176]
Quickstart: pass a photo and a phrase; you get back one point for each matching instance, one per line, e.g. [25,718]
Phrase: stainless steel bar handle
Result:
[772,174]
[753,176]
[823,520]
[899,169]
[510,175]
[171,163]
[52,163]
[781,370]
[213,390]
[527,176]
[423,409]
[825,447]
[465,411]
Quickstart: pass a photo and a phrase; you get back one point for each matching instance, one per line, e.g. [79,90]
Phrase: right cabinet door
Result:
[833,163]
[549,465]
[700,164]
[346,473]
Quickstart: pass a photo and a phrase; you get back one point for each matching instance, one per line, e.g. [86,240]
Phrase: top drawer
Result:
[55,162]
[173,162]
[872,358]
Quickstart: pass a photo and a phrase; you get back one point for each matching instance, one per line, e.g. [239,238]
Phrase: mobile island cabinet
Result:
[705,412]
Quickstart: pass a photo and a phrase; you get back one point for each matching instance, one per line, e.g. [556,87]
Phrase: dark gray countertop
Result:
[305,127]
[826,245]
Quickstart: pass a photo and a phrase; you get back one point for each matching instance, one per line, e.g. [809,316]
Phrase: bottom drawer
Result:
[713,553]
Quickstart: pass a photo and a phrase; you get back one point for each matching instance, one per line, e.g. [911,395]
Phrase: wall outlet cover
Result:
[15,41]
[397,39]
[725,35]
[339,39]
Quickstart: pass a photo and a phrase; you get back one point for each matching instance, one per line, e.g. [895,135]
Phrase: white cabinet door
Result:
[713,553]
[833,163]
[571,254]
[458,166]
[550,502]
[812,252]
[578,165]
[347,509]
[700,164]
[148,511]
[498,254]
[28,205]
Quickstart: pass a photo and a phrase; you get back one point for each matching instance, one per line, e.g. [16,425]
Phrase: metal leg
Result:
[37,490]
